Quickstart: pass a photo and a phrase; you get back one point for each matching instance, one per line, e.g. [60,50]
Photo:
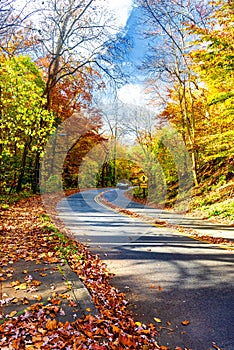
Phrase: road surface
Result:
[165,275]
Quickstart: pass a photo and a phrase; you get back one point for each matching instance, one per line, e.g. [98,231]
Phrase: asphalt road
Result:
[165,275]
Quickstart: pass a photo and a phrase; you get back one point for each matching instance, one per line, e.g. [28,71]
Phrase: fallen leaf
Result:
[215,346]
[185,322]
[15,300]
[12,313]
[36,283]
[21,286]
[158,320]
[15,283]
[72,303]
[25,301]
[51,324]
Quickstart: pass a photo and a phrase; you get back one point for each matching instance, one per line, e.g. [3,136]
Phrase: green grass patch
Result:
[7,199]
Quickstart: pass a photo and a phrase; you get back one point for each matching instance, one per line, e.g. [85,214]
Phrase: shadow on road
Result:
[177,279]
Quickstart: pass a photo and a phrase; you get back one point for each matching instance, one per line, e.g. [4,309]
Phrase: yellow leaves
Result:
[158,320]
[21,286]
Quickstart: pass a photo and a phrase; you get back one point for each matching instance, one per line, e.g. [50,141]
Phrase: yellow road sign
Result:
[143,178]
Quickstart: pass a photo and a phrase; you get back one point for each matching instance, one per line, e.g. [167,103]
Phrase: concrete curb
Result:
[29,282]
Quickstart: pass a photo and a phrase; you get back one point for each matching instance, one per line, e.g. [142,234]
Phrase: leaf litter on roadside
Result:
[37,328]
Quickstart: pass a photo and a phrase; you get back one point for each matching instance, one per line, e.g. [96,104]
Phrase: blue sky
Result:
[133,92]
[134,31]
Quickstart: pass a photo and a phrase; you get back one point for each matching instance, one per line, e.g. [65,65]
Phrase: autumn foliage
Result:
[37,327]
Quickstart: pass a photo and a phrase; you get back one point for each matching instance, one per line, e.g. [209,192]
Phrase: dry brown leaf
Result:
[51,325]
[36,283]
[25,301]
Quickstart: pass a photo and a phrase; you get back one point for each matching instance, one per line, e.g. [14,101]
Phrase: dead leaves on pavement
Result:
[23,237]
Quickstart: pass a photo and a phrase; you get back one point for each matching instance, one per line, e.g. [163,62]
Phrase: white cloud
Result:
[121,10]
[133,94]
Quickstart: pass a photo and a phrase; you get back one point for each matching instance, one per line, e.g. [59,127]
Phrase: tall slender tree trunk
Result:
[22,168]
[36,174]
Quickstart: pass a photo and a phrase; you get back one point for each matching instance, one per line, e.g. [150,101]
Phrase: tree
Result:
[71,42]
[168,63]
[73,36]
[5,13]
[15,26]
[25,124]
[213,62]
[214,57]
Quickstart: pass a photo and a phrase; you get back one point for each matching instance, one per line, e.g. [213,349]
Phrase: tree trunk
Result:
[36,175]
[22,168]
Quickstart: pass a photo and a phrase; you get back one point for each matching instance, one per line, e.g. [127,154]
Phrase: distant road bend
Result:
[164,274]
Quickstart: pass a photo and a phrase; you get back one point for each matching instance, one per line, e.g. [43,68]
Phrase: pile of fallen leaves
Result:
[23,236]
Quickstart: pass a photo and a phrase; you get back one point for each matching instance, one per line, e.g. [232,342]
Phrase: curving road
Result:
[164,274]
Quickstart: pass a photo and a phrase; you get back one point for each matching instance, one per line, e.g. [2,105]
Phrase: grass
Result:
[221,210]
[7,199]
[214,199]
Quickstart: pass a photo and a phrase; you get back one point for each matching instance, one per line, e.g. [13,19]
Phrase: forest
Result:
[58,57]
